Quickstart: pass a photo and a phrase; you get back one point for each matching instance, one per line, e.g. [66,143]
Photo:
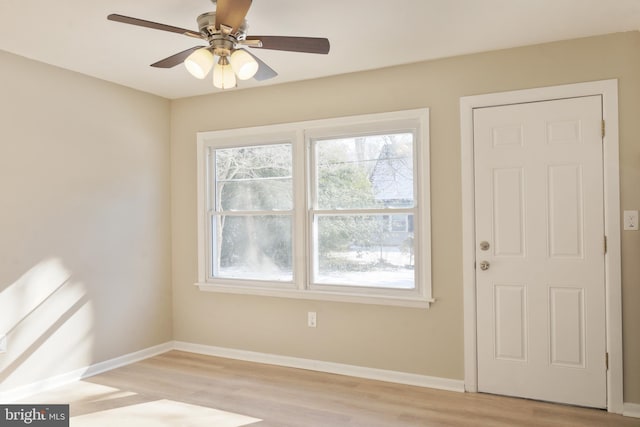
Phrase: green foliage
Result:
[343,185]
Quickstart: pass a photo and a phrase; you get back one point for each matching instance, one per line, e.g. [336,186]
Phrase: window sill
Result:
[413,302]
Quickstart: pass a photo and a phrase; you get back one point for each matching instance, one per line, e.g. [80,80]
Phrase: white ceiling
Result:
[364,34]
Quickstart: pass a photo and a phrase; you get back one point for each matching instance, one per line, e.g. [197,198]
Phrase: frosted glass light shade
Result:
[223,75]
[199,63]
[243,64]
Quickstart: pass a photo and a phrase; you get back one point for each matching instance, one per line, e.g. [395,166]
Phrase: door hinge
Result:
[605,244]
[603,129]
[606,360]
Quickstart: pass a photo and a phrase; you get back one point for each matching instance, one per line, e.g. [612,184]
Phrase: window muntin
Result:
[308,209]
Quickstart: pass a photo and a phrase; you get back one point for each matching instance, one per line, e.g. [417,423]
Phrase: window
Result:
[251,218]
[359,180]
[332,209]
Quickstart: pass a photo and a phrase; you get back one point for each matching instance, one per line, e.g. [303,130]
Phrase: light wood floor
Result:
[264,395]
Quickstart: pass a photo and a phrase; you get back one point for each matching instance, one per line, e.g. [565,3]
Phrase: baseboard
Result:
[328,367]
[631,410]
[82,373]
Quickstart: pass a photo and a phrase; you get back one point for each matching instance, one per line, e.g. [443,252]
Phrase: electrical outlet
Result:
[312,319]
[630,220]
[3,344]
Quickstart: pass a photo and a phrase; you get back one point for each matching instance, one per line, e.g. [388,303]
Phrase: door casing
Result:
[613,282]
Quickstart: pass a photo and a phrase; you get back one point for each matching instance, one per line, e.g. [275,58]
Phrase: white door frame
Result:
[613,282]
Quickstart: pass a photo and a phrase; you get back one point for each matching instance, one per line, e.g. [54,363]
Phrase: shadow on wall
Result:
[47,319]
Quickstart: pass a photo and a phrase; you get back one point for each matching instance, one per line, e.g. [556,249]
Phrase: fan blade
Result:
[174,60]
[149,24]
[231,13]
[293,44]
[264,71]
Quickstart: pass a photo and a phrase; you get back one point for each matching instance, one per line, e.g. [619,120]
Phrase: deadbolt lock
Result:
[484,246]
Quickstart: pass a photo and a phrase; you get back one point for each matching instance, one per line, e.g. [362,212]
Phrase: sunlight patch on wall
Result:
[30,291]
[48,324]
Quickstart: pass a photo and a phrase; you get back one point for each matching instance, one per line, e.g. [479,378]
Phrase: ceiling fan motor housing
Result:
[222,42]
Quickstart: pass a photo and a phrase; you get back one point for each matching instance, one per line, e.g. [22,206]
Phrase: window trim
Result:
[299,134]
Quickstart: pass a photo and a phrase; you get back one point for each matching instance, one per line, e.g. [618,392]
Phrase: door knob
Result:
[484,265]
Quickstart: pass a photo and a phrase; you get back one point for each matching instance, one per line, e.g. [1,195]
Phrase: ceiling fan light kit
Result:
[199,63]
[223,75]
[243,64]
[225,31]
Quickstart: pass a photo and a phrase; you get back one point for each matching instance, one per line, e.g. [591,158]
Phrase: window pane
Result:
[365,172]
[254,178]
[255,195]
[398,222]
[256,247]
[358,250]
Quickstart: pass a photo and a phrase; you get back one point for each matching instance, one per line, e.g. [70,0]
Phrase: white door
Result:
[540,229]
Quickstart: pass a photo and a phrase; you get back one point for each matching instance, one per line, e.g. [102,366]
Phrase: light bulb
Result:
[243,64]
[199,63]
[223,75]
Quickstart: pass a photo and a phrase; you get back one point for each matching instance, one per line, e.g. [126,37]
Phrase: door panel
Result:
[508,208]
[566,320]
[539,205]
[510,320]
[565,211]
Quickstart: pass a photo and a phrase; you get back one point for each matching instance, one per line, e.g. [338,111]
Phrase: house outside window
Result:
[332,209]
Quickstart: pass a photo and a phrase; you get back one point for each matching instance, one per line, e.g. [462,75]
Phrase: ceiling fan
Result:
[225,31]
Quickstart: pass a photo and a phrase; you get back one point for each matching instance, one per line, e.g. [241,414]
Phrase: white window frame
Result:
[299,135]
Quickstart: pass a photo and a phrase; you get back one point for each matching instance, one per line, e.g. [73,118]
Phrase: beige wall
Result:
[428,342]
[84,221]
[85,213]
